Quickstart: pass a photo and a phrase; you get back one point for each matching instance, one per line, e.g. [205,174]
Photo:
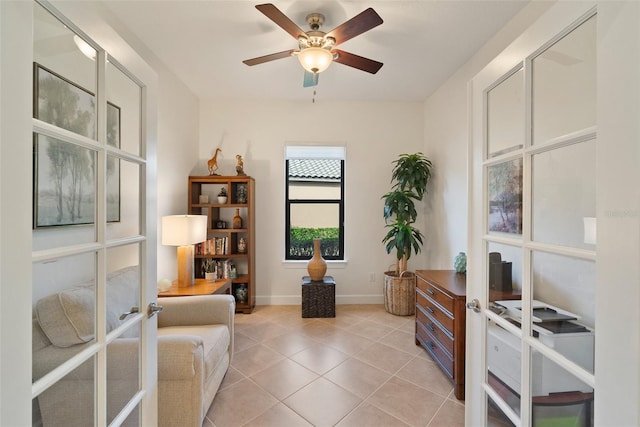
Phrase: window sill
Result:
[302,264]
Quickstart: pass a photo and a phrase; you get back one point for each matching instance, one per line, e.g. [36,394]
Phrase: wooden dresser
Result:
[440,321]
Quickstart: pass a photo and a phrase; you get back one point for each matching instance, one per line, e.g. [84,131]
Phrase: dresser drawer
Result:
[435,294]
[438,353]
[434,311]
[434,329]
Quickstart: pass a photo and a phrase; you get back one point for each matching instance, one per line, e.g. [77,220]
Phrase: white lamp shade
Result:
[589,230]
[182,230]
[315,59]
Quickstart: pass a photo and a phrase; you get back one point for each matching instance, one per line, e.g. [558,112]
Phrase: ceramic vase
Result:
[242,245]
[210,277]
[460,263]
[237,220]
[317,266]
[241,293]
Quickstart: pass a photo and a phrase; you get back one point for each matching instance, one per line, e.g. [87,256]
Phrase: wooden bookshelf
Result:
[226,246]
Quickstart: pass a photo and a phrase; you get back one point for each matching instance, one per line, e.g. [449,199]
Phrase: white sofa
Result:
[195,347]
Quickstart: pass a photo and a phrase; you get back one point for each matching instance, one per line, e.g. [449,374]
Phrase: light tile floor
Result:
[361,368]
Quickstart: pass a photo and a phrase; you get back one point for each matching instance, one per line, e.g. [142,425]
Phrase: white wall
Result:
[446,139]
[178,123]
[374,134]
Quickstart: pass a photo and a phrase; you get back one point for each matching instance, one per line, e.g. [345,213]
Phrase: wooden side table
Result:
[201,287]
[318,297]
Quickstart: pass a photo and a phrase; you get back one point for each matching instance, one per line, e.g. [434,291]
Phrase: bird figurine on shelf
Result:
[240,165]
[212,164]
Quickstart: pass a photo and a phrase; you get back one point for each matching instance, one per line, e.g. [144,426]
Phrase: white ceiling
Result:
[421,43]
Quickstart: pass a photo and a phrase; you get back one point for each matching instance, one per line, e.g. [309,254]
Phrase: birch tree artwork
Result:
[65,172]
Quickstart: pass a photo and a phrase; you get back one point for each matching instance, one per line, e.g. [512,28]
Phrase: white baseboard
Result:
[297,299]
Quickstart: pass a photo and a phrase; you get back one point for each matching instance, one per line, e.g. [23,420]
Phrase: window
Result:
[314,201]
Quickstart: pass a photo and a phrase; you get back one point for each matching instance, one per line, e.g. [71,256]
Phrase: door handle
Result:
[154,309]
[133,311]
[474,305]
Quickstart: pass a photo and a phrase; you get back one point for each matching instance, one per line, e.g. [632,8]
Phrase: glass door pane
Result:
[563,307]
[124,111]
[123,374]
[504,364]
[564,195]
[64,305]
[558,397]
[564,85]
[123,198]
[64,193]
[68,402]
[505,115]
[65,76]
[495,416]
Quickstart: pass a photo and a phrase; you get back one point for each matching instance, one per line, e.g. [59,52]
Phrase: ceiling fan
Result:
[316,49]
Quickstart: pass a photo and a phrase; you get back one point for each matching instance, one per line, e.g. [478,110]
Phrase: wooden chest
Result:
[440,321]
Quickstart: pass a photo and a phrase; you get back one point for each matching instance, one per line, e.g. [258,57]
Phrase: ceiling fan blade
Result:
[271,57]
[310,79]
[355,26]
[355,61]
[273,13]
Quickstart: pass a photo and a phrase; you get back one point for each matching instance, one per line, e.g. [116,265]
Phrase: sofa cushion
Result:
[68,317]
[215,341]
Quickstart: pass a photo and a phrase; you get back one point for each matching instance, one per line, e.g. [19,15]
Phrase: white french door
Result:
[532,260]
[78,173]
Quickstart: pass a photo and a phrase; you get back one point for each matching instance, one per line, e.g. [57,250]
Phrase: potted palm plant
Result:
[411,173]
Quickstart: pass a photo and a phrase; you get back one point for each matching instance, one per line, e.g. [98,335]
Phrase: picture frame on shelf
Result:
[241,194]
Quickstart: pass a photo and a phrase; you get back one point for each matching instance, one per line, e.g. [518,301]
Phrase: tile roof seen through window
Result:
[314,170]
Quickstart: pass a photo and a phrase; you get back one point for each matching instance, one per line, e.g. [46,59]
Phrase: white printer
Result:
[557,329]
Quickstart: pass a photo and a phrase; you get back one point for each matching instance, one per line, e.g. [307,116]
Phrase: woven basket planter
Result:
[400,293]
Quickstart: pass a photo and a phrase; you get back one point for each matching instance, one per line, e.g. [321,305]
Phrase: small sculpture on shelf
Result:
[242,245]
[212,164]
[239,165]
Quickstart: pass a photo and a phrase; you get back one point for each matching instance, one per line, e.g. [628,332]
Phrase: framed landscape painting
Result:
[505,197]
[65,172]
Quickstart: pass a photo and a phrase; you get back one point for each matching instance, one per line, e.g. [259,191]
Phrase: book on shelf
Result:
[215,246]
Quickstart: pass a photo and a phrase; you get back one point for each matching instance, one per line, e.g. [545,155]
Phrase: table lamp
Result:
[184,231]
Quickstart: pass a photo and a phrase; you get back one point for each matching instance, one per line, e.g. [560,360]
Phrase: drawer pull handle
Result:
[431,346]
[431,327]
[430,292]
[430,310]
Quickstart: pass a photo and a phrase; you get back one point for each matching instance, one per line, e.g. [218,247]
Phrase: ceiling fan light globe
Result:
[315,59]
[85,48]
